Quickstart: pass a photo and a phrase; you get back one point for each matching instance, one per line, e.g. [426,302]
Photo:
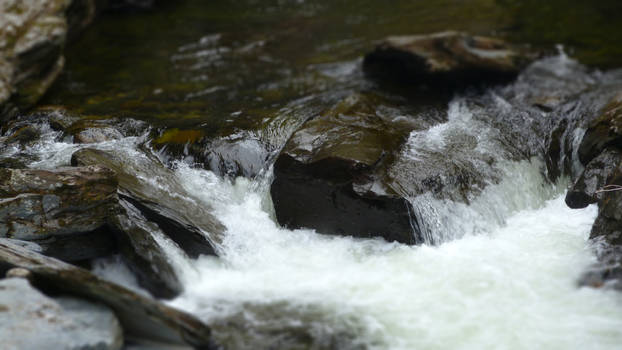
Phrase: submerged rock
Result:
[445,59]
[159,198]
[602,132]
[38,204]
[31,320]
[327,176]
[142,318]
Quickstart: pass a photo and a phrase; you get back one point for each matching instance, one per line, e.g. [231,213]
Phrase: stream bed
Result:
[498,270]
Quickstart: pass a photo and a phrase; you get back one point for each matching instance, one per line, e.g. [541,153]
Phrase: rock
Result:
[24,135]
[445,59]
[607,271]
[141,317]
[31,320]
[93,131]
[232,156]
[602,132]
[327,176]
[18,272]
[142,253]
[98,134]
[38,204]
[608,224]
[80,247]
[192,227]
[594,177]
[32,36]
[236,157]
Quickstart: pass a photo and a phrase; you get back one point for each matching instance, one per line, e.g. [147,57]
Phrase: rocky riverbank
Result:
[359,166]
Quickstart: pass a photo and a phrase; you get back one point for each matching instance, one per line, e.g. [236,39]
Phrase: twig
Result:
[609,188]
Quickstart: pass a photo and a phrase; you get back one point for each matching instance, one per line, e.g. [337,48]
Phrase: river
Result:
[500,272]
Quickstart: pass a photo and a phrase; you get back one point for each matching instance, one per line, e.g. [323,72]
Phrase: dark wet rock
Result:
[142,253]
[555,149]
[38,204]
[12,163]
[190,226]
[595,176]
[142,318]
[608,224]
[31,320]
[326,177]
[24,135]
[79,247]
[445,59]
[602,132]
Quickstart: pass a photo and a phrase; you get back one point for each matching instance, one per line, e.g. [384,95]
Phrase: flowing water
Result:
[499,270]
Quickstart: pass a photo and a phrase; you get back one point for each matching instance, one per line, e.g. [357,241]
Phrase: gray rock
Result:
[595,176]
[31,320]
[32,35]
[194,229]
[142,253]
[38,204]
[141,317]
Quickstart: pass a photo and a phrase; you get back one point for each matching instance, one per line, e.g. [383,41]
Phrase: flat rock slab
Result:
[31,320]
[141,317]
[151,187]
[38,204]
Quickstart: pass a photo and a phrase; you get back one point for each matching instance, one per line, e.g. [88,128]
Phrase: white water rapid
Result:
[504,277]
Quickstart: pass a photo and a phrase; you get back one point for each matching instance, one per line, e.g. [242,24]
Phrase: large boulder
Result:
[32,37]
[445,59]
[329,176]
[151,187]
[31,320]
[39,204]
[604,131]
[143,319]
